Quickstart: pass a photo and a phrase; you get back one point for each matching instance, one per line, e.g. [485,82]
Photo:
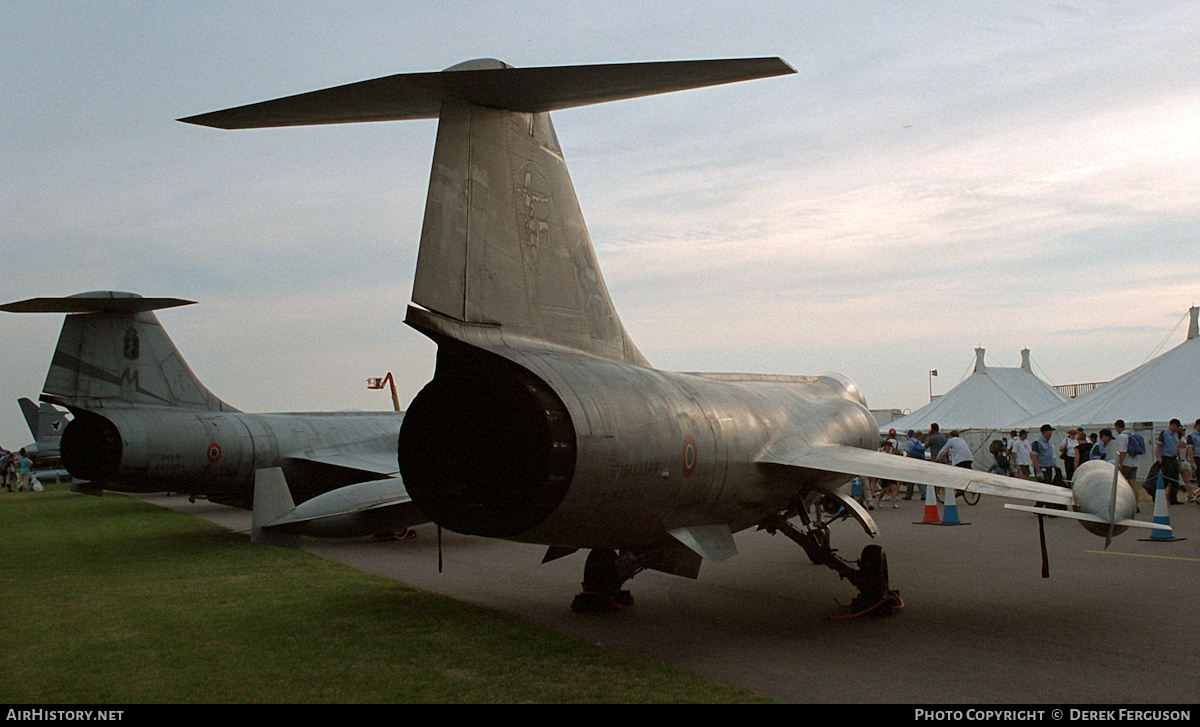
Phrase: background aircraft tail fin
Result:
[112,351]
[504,242]
[30,411]
[45,421]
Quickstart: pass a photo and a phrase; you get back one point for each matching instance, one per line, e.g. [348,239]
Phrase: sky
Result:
[936,176]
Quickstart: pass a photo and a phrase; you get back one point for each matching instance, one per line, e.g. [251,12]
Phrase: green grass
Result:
[111,600]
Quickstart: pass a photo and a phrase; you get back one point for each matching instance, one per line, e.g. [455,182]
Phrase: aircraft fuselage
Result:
[147,449]
[574,450]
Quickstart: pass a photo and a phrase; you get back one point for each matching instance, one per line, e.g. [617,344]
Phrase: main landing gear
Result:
[603,575]
[870,576]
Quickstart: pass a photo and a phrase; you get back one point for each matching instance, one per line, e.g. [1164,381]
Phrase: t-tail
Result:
[504,248]
[113,353]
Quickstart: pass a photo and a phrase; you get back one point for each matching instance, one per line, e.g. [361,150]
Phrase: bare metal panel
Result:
[504,241]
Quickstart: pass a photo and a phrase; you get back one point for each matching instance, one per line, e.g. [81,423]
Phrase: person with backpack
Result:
[1130,447]
[999,450]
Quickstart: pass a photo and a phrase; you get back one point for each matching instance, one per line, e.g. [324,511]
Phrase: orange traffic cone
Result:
[931,508]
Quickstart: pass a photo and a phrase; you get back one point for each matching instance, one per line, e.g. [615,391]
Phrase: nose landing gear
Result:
[869,573]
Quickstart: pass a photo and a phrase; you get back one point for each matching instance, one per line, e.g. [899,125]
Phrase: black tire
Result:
[600,573]
[873,566]
[971,498]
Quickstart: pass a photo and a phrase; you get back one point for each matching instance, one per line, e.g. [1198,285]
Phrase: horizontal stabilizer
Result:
[492,84]
[105,301]
[1126,523]
[353,511]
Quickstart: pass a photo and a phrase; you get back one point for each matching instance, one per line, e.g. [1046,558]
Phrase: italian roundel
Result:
[689,455]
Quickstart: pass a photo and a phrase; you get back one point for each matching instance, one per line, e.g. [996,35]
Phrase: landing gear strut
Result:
[870,576]
[603,575]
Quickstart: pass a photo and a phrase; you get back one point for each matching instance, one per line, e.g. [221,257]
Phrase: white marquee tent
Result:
[990,398]
[1159,390]
[983,405]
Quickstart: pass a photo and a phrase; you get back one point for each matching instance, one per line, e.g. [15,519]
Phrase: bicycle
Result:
[971,498]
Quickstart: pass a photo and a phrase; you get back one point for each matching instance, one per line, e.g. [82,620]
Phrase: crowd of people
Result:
[1038,459]
[16,469]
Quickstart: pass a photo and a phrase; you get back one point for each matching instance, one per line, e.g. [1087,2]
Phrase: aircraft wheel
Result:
[600,571]
[602,581]
[873,565]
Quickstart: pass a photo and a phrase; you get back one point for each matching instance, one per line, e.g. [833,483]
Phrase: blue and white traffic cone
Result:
[950,509]
[1161,515]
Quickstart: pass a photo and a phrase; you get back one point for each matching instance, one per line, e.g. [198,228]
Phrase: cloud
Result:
[934,177]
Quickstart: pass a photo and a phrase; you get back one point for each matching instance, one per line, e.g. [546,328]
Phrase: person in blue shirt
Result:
[1166,451]
[1043,455]
[1100,448]
[915,448]
[24,473]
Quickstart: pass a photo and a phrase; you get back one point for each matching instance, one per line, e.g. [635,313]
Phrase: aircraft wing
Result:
[869,463]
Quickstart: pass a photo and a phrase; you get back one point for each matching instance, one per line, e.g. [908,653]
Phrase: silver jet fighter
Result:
[143,422]
[543,422]
[46,423]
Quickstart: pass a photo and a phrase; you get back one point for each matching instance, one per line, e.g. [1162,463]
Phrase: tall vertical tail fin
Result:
[113,352]
[32,415]
[504,244]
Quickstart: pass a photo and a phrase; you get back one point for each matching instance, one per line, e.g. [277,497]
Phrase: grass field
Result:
[111,600]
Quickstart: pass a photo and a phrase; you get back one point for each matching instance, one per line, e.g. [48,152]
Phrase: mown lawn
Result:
[111,600]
